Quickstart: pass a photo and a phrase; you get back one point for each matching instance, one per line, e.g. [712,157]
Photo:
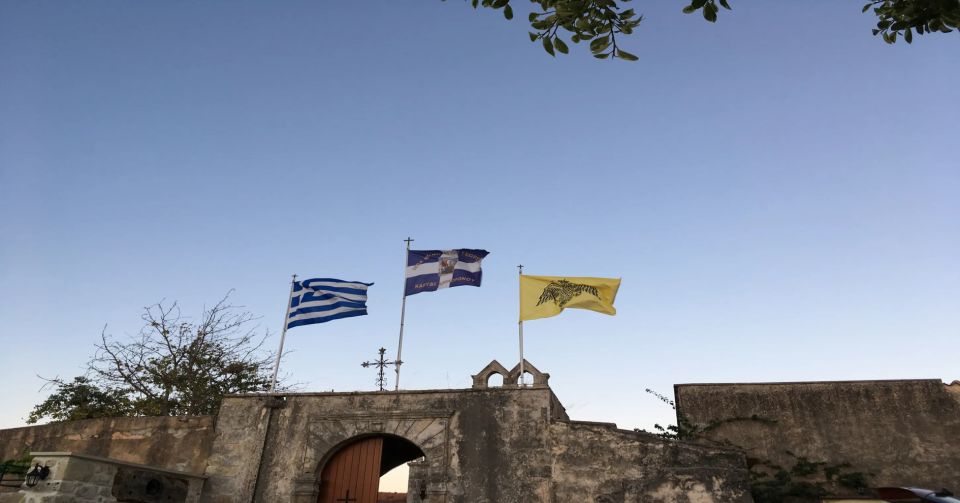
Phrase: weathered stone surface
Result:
[598,462]
[174,443]
[239,437]
[79,478]
[906,433]
[146,486]
[510,377]
[480,446]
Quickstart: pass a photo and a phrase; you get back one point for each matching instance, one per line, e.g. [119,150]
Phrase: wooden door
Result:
[353,474]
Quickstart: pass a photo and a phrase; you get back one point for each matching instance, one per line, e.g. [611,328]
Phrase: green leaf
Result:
[604,55]
[698,4]
[725,4]
[561,46]
[533,36]
[626,55]
[689,9]
[710,13]
[548,46]
[908,36]
[508,12]
[599,44]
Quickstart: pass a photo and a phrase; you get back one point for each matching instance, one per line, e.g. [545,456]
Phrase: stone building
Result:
[479,445]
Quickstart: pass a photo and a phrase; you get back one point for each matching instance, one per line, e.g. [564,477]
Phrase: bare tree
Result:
[174,366]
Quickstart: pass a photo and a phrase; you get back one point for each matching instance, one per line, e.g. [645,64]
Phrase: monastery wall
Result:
[480,446]
[904,433]
[598,462]
[172,443]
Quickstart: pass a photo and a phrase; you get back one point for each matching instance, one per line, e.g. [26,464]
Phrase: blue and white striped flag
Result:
[324,299]
[428,270]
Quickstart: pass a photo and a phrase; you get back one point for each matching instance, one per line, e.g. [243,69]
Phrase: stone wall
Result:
[480,445]
[598,462]
[461,432]
[173,443]
[234,462]
[906,433]
[78,478]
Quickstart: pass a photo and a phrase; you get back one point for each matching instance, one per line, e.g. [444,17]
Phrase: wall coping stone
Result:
[647,436]
[385,393]
[794,383]
[122,419]
[116,462]
[592,423]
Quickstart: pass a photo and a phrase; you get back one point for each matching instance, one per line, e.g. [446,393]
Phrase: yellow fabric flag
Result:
[545,296]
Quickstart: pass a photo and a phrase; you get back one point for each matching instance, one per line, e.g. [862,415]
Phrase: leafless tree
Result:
[173,366]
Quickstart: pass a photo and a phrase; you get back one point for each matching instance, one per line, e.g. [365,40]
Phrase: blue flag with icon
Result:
[429,270]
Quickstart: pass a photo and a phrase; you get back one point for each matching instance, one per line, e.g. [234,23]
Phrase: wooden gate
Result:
[353,474]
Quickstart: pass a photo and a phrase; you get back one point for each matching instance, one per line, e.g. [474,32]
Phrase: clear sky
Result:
[780,191]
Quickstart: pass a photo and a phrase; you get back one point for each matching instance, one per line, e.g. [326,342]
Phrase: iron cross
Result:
[380,363]
[347,498]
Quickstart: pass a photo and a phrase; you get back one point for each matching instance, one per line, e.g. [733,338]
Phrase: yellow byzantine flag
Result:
[545,296]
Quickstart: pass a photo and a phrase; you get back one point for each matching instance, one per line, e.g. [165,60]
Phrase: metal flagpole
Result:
[520,381]
[283,335]
[403,312]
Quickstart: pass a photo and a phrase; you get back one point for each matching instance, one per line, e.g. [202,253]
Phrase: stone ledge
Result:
[794,383]
[390,393]
[116,462]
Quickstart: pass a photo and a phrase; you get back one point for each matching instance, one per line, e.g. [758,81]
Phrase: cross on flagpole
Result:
[403,312]
[380,363]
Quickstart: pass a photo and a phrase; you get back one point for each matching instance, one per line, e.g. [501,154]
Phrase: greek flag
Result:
[323,299]
[428,270]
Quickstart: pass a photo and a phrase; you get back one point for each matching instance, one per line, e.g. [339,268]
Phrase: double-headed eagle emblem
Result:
[561,292]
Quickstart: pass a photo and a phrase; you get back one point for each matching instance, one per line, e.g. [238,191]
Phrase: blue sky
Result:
[780,191]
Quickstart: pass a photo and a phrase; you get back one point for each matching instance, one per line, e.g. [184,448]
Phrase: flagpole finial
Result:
[408,241]
[520,268]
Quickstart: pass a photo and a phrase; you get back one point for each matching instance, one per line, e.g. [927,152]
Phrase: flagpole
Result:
[520,382]
[403,312]
[283,335]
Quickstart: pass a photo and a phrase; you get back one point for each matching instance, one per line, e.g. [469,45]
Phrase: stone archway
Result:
[428,432]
